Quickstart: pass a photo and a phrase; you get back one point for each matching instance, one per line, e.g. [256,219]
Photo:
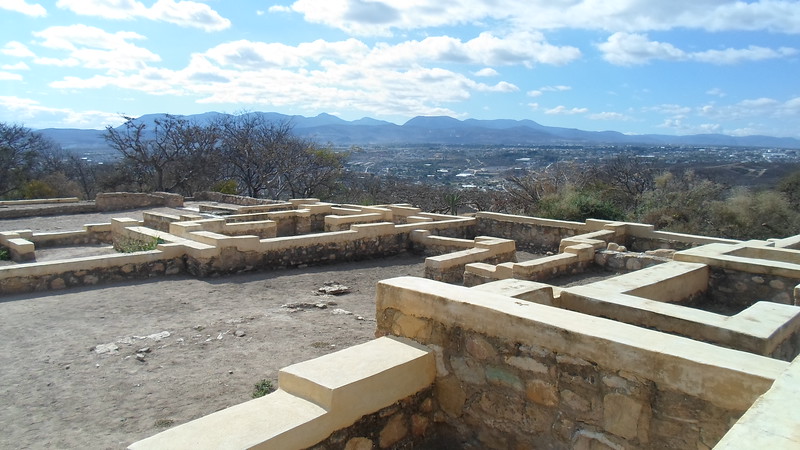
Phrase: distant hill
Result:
[326,128]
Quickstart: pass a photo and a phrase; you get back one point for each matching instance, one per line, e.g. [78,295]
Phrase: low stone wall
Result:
[531,234]
[408,423]
[621,261]
[449,267]
[118,201]
[88,271]
[231,199]
[39,201]
[92,234]
[383,400]
[513,374]
[48,210]
[738,290]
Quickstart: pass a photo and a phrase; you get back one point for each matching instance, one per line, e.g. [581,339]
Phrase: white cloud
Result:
[182,13]
[279,9]
[94,48]
[25,109]
[323,76]
[533,106]
[534,93]
[18,66]
[735,56]
[561,109]
[17,49]
[23,7]
[369,17]
[10,76]
[487,72]
[559,88]
[626,49]
[609,116]
[487,49]
[716,92]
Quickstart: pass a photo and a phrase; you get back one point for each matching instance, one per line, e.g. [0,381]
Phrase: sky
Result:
[637,66]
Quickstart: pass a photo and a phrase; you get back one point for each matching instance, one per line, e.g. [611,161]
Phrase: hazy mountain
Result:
[327,128]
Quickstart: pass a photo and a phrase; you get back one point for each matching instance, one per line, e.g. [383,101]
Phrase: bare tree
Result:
[21,153]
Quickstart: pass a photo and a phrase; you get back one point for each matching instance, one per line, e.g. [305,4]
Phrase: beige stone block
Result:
[542,393]
[575,401]
[526,364]
[479,348]
[359,443]
[621,415]
[395,430]
[419,425]
[450,395]
[412,327]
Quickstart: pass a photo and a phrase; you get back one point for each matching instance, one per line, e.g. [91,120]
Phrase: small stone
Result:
[140,356]
[143,350]
[106,348]
[341,312]
[239,333]
[394,431]
[321,305]
[359,318]
[613,246]
[777,284]
[230,372]
[358,443]
[333,288]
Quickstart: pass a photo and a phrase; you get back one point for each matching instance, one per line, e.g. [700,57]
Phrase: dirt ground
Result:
[106,366]
[205,344]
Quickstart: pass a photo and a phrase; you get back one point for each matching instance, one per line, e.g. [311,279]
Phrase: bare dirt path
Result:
[209,342]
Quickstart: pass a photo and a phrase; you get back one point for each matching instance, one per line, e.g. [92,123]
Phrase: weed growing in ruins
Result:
[129,245]
[4,254]
[263,388]
[164,423]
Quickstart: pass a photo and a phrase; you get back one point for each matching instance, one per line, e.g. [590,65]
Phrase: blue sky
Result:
[636,66]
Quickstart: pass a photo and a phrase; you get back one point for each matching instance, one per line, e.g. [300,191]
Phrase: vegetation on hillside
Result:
[247,155]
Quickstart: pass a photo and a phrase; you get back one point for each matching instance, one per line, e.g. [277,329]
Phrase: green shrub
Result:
[263,388]
[226,187]
[130,245]
[4,254]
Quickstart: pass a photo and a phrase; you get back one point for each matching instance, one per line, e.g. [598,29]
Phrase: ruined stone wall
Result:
[739,290]
[408,423]
[504,383]
[614,261]
[48,210]
[117,201]
[71,239]
[533,235]
[75,275]
[232,199]
[230,260]
[500,394]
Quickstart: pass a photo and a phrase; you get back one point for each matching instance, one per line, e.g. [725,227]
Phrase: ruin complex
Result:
[692,344]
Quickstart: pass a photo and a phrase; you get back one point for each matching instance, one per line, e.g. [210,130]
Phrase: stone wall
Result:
[531,234]
[737,290]
[622,261]
[231,260]
[88,272]
[232,199]
[48,210]
[408,423]
[117,201]
[513,374]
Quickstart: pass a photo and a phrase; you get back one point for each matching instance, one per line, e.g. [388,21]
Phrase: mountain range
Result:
[326,128]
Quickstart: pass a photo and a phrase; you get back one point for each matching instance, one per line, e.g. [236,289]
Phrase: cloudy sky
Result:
[636,66]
